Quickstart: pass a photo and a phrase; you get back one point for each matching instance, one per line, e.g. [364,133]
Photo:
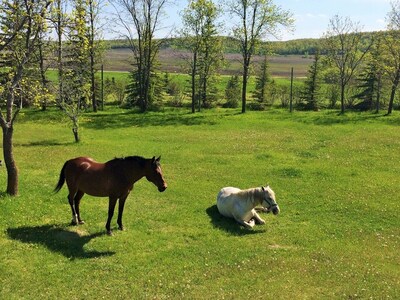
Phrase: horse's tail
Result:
[61,180]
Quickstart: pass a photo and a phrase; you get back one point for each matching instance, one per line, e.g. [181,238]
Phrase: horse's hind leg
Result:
[77,201]
[249,224]
[111,207]
[73,210]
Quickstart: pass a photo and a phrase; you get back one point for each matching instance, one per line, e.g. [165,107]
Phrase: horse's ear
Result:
[263,189]
[158,159]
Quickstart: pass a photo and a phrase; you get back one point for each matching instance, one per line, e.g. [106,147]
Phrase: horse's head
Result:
[269,200]
[154,174]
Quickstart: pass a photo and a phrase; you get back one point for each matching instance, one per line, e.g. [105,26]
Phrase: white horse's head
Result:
[269,200]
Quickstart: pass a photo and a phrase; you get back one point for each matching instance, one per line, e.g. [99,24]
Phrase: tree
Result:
[21,24]
[77,88]
[370,79]
[95,45]
[42,54]
[59,20]
[262,81]
[232,92]
[343,41]
[258,18]
[200,37]
[141,19]
[312,84]
[391,51]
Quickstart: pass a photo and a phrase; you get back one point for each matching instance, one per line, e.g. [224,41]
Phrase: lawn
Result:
[336,180]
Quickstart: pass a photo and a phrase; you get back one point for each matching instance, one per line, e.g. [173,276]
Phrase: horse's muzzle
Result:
[162,188]
[275,210]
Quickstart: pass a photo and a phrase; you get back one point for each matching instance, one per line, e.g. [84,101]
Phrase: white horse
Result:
[241,204]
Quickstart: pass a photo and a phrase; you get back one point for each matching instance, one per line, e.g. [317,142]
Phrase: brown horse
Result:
[113,179]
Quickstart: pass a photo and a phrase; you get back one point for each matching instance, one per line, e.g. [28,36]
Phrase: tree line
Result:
[67,35]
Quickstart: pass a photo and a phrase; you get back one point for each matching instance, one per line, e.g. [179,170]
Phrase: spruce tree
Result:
[310,93]
[232,92]
[260,93]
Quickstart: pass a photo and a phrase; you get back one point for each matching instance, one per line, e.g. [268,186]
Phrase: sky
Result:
[311,16]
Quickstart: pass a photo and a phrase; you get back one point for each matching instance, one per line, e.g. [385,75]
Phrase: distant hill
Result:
[291,47]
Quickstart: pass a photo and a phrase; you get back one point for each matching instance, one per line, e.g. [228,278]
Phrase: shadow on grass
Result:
[46,143]
[137,119]
[333,117]
[56,239]
[227,224]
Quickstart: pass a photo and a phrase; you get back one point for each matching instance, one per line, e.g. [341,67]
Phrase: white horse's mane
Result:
[255,194]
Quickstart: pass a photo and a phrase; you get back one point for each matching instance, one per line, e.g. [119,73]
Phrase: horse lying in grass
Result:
[113,179]
[241,204]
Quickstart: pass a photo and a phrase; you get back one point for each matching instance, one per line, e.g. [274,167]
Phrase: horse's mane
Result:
[253,193]
[138,159]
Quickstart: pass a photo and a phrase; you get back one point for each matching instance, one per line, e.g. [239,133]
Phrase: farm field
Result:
[173,61]
[336,180]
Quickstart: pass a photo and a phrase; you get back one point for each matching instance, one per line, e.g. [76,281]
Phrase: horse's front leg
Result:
[120,211]
[257,217]
[111,206]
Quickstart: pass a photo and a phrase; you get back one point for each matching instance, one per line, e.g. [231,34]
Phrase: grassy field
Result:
[336,179]
[175,61]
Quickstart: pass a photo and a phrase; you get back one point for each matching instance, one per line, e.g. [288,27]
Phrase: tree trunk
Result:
[393,92]
[42,74]
[93,84]
[342,87]
[378,94]
[12,171]
[244,85]
[92,54]
[194,70]
[75,128]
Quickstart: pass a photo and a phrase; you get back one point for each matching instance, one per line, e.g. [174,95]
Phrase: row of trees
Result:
[26,53]
[345,54]
[351,60]
[68,34]
[256,20]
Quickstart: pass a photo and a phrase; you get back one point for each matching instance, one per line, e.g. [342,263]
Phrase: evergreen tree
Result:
[262,81]
[232,92]
[368,85]
[370,79]
[310,94]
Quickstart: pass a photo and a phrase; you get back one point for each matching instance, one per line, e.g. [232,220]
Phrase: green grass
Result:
[336,179]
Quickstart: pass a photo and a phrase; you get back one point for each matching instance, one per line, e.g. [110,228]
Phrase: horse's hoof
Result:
[73,223]
[121,228]
[81,222]
[109,233]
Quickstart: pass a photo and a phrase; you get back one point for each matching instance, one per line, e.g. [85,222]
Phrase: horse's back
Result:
[82,160]
[226,199]
[87,175]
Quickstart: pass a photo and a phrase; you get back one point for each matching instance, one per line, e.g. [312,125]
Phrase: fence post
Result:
[291,92]
[102,87]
